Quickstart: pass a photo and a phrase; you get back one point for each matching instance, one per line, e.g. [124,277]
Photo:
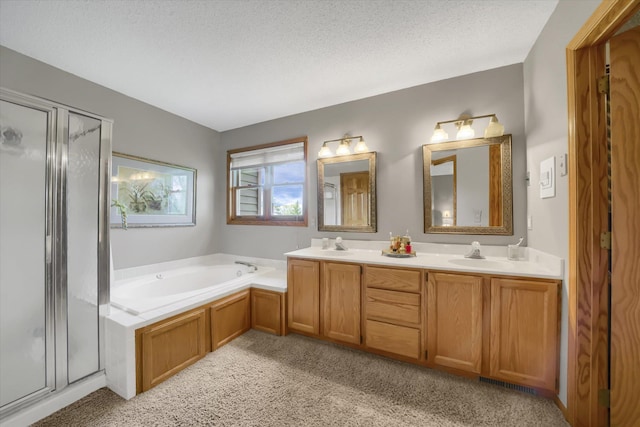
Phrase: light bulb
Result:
[439,134]
[325,151]
[495,128]
[465,131]
[361,147]
[343,149]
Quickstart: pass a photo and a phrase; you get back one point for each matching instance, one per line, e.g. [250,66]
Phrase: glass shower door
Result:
[26,313]
[83,185]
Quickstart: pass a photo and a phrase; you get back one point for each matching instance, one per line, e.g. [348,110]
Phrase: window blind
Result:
[268,156]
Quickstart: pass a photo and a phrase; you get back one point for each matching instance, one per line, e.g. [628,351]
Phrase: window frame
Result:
[268,218]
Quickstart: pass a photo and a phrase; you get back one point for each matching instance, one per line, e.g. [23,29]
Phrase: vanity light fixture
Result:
[465,131]
[439,134]
[343,148]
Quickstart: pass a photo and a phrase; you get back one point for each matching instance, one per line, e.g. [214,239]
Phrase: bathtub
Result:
[152,291]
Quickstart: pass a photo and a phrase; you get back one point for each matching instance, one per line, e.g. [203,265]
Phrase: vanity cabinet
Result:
[230,318]
[393,320]
[303,300]
[340,301]
[454,321]
[524,332]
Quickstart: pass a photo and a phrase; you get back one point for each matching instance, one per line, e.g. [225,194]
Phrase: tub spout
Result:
[252,267]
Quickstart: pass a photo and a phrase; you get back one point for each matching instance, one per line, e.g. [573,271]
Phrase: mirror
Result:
[347,193]
[467,186]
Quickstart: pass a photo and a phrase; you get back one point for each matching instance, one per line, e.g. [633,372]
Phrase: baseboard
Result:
[562,408]
[56,401]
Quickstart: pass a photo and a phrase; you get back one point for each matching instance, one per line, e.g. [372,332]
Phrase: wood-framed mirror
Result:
[468,187]
[347,193]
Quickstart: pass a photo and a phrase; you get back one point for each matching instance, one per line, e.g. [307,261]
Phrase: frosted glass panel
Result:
[82,245]
[23,145]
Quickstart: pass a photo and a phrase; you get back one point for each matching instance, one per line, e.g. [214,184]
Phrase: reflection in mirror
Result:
[467,186]
[443,196]
[347,193]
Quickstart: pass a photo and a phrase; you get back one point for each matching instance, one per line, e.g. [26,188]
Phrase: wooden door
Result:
[230,318]
[524,332]
[354,190]
[454,321]
[341,302]
[625,206]
[303,293]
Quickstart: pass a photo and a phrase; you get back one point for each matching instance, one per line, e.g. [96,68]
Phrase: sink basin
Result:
[481,263]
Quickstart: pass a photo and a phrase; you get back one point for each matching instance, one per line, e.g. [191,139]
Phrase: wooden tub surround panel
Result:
[170,345]
[230,318]
[268,311]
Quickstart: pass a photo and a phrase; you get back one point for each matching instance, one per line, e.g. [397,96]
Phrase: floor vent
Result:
[523,389]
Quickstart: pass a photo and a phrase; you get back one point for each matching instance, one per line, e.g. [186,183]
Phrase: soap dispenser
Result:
[407,242]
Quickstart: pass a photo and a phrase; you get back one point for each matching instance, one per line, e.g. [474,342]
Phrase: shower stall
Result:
[54,247]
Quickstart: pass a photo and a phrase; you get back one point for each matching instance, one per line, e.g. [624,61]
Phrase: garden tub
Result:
[153,291]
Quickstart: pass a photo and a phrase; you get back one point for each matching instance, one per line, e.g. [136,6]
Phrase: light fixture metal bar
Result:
[465,118]
[343,139]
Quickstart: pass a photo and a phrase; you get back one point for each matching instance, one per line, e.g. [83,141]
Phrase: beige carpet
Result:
[264,380]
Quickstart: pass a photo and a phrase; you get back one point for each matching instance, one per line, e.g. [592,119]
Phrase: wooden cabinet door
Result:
[454,321]
[171,345]
[267,311]
[341,302]
[524,332]
[230,318]
[303,306]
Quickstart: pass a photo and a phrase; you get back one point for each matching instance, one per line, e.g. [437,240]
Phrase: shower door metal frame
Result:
[56,336]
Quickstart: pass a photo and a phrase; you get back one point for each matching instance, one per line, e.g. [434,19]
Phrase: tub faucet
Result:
[474,253]
[252,267]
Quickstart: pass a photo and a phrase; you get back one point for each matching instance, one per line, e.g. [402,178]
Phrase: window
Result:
[267,184]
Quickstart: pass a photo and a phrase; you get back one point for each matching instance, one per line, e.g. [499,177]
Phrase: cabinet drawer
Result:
[393,279]
[393,338]
[393,306]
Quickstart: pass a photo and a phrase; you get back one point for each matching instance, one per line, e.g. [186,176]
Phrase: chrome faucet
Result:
[339,245]
[474,253]
[252,267]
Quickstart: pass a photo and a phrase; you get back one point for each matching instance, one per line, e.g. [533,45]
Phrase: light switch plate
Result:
[548,178]
[562,164]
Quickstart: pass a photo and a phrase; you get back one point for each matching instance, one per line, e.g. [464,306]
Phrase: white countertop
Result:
[441,257]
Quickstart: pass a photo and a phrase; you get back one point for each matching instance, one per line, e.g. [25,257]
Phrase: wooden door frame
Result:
[588,210]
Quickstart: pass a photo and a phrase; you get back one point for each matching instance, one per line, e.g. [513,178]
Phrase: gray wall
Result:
[142,130]
[545,88]
[396,125]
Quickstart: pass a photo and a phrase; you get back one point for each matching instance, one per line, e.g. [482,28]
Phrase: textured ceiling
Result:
[231,63]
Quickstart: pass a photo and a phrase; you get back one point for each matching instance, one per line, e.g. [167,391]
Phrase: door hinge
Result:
[603,84]
[604,397]
[605,240]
